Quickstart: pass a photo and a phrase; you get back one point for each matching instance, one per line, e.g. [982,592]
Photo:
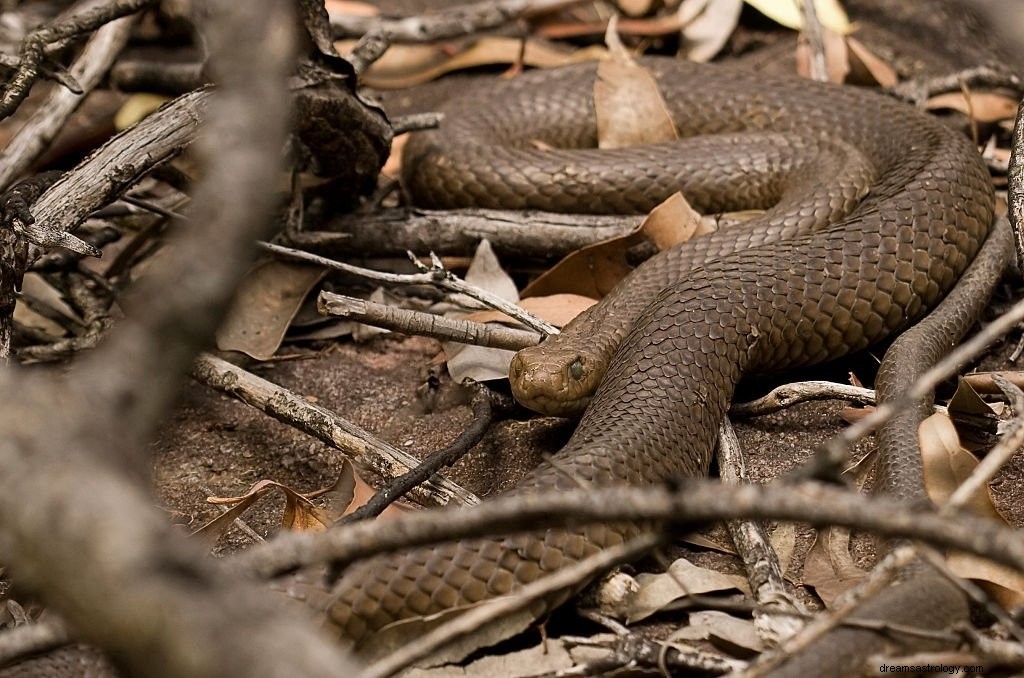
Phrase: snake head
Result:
[552,380]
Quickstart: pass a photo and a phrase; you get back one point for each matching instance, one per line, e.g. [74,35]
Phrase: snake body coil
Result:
[873,213]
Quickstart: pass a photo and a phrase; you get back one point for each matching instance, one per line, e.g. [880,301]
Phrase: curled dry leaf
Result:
[299,514]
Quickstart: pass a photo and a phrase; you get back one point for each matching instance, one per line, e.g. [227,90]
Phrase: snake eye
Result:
[576,368]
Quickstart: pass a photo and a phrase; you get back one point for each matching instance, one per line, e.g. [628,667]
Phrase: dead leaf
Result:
[837,57]
[983,382]
[557,309]
[736,636]
[349,8]
[966,400]
[590,271]
[674,221]
[981,106]
[704,541]
[34,286]
[407,65]
[1005,585]
[783,541]
[788,13]
[593,271]
[393,167]
[362,332]
[707,25]
[478,363]
[829,567]
[300,514]
[397,634]
[137,107]
[682,578]
[866,68]
[627,102]
[546,658]
[267,299]
[486,272]
[947,464]
[481,363]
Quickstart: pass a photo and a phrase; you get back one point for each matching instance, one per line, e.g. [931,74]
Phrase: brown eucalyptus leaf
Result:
[266,300]
[628,104]
[829,566]
[682,578]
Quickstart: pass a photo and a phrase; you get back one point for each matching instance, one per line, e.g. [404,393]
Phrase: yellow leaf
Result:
[787,12]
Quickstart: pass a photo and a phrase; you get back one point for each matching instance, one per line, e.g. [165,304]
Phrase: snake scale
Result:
[873,211]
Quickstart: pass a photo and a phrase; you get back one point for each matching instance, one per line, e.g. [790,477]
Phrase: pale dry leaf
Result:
[362,332]
[829,567]
[478,363]
[545,658]
[266,300]
[393,167]
[557,309]
[705,34]
[704,541]
[783,541]
[947,464]
[658,590]
[404,66]
[137,107]
[628,105]
[1004,584]
[399,633]
[481,363]
[35,286]
[788,13]
[673,221]
[735,635]
[337,8]
[487,273]
[982,106]
[837,57]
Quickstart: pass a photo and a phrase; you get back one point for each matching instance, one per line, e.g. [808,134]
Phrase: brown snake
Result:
[874,211]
